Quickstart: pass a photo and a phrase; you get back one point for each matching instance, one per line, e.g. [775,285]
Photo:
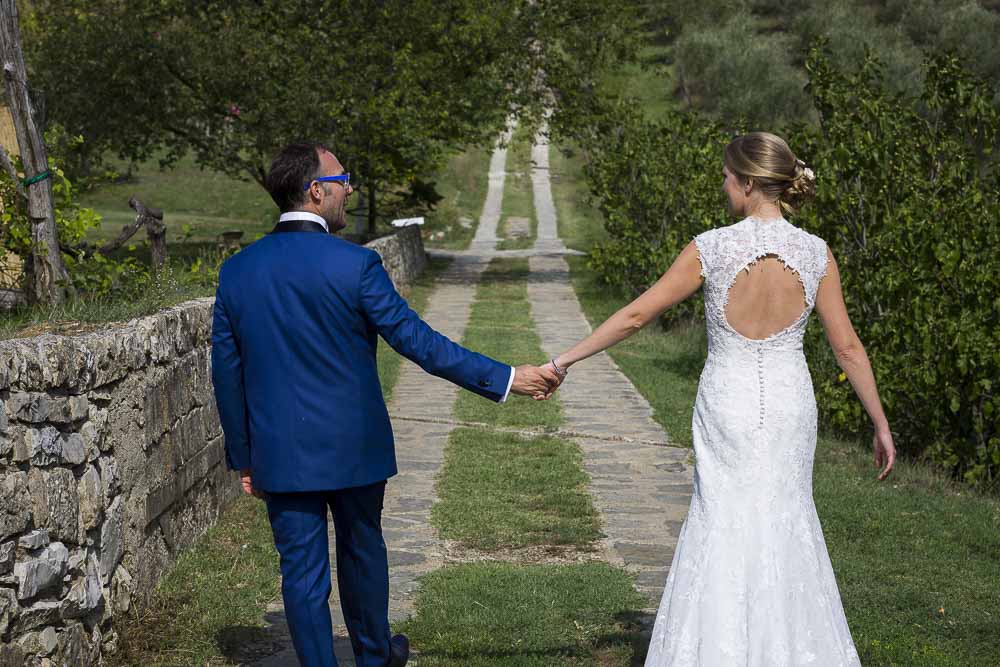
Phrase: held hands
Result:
[539,382]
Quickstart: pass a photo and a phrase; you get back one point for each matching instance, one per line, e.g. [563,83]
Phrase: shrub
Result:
[734,72]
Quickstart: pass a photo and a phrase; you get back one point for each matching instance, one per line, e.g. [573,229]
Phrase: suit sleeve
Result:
[227,378]
[413,338]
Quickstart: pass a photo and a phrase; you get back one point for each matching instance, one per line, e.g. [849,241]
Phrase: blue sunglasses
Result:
[344,178]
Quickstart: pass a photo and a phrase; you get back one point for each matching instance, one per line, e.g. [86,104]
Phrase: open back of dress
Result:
[765,298]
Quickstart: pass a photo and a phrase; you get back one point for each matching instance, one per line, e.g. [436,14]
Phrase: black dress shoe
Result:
[399,651]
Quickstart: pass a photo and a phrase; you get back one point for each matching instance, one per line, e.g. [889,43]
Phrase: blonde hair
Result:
[766,159]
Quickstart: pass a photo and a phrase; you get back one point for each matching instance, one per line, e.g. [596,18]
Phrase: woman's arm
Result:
[853,361]
[681,280]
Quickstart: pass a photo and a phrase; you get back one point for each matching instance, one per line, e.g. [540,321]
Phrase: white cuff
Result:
[510,383]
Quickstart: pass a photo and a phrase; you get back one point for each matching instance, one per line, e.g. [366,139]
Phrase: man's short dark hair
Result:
[291,169]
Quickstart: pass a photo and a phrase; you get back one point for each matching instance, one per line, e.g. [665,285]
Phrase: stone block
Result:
[15,503]
[74,647]
[41,613]
[186,476]
[85,594]
[36,539]
[42,572]
[77,563]
[8,609]
[6,442]
[74,449]
[55,503]
[91,497]
[110,481]
[48,641]
[8,553]
[90,441]
[189,435]
[98,419]
[518,227]
[112,538]
[39,446]
[122,588]
[37,408]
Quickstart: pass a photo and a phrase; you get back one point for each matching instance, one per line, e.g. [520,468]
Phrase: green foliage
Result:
[745,58]
[715,62]
[909,202]
[391,86]
[657,186]
[73,222]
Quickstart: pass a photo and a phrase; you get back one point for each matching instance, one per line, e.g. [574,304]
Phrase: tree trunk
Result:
[152,219]
[155,229]
[48,281]
[372,211]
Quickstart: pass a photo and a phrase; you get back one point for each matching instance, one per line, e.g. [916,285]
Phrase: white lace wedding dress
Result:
[751,582]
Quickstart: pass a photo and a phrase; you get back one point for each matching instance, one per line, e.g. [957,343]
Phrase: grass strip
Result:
[462,184]
[503,491]
[389,362]
[581,226]
[518,194]
[486,614]
[500,326]
[917,557]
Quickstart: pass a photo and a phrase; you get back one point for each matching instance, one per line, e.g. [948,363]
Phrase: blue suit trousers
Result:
[299,523]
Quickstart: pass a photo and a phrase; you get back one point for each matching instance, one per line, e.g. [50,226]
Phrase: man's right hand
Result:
[534,381]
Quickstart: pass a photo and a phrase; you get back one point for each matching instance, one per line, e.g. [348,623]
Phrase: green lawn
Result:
[502,614]
[462,184]
[200,204]
[581,226]
[502,491]
[215,593]
[206,201]
[917,557]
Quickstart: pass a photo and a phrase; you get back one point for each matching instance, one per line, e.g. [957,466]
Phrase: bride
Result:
[751,581]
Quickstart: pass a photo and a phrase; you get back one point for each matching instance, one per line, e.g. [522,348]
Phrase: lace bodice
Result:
[726,251]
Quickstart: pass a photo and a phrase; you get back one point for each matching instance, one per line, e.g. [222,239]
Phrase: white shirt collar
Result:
[304,215]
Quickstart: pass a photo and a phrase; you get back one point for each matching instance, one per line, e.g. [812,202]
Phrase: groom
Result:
[296,321]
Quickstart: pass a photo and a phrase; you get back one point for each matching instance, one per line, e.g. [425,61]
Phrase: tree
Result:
[391,85]
[48,280]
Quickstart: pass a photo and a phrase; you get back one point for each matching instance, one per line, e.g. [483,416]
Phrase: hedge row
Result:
[909,202]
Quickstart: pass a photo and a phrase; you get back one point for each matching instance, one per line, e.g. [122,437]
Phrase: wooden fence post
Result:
[48,281]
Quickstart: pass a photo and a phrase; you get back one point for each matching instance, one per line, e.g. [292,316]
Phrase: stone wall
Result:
[402,255]
[111,463]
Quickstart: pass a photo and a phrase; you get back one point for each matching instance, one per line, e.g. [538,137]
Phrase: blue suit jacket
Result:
[296,321]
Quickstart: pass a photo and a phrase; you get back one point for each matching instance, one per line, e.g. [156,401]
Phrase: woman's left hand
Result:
[885,452]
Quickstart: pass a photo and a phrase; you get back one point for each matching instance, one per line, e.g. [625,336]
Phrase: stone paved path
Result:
[641,490]
[640,484]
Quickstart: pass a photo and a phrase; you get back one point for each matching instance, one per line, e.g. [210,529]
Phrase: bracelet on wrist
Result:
[561,372]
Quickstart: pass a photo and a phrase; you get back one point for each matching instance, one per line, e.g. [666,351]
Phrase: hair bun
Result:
[800,189]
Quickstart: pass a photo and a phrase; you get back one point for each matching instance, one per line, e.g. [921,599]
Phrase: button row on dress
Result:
[760,380]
